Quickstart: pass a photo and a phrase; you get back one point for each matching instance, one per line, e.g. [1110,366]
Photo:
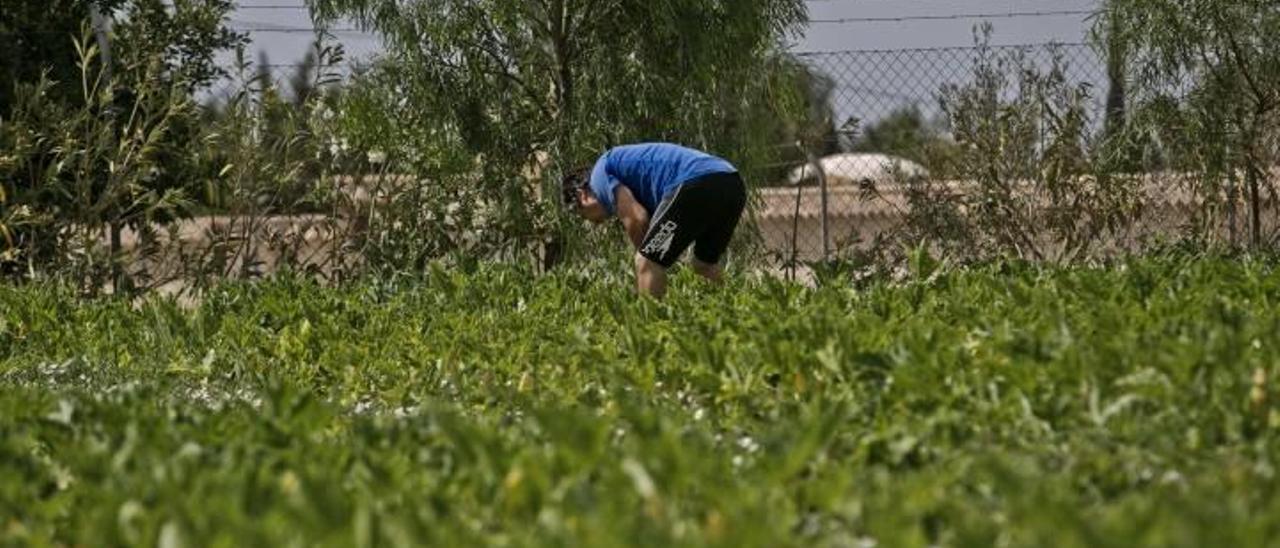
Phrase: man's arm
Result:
[635,219]
[651,277]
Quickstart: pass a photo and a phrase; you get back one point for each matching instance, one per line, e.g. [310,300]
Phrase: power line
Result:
[843,20]
[247,23]
[356,33]
[951,17]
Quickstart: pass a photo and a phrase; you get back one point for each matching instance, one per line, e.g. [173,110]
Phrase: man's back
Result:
[651,170]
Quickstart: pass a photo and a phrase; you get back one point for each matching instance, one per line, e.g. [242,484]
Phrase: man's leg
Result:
[710,271]
[651,277]
[672,229]
[710,247]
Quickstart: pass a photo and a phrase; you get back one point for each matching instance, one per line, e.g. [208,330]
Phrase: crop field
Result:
[1134,404]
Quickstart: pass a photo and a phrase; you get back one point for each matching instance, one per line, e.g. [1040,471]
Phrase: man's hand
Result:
[633,215]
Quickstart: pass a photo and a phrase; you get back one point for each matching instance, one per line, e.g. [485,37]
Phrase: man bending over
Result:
[667,197]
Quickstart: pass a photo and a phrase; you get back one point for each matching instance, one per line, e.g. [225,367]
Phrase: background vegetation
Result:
[449,146]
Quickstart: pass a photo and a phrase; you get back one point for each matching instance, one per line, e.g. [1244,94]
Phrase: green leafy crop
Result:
[1001,405]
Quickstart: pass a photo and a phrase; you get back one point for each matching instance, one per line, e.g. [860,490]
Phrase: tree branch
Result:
[1234,45]
[543,24]
[506,71]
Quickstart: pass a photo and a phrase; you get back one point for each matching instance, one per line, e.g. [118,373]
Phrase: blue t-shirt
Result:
[650,171]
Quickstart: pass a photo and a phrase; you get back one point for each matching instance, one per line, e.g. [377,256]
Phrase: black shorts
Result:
[703,211]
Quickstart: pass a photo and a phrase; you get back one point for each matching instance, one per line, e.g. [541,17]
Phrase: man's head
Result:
[578,197]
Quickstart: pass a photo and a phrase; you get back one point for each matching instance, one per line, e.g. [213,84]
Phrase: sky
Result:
[869,85]
[1037,25]
[839,25]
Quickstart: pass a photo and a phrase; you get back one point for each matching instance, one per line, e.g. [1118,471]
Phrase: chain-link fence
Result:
[889,125]
[290,83]
[889,117]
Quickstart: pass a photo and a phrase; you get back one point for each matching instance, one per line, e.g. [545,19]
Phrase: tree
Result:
[36,39]
[1210,73]
[798,119]
[302,81]
[553,70]
[907,134]
[176,41]
[1117,96]
[507,80]
[1025,162]
[75,171]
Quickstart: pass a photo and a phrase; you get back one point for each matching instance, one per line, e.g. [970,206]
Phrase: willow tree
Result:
[1208,74]
[564,72]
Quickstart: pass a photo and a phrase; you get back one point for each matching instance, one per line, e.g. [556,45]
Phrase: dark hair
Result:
[573,181]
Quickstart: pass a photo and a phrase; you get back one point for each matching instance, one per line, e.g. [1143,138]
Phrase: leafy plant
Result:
[998,403]
[75,176]
[1030,178]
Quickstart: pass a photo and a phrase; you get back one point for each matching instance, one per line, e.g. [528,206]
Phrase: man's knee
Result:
[645,264]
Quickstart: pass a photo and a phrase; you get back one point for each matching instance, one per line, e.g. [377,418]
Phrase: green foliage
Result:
[177,41]
[100,134]
[492,100]
[150,39]
[1031,179]
[1006,404]
[36,41]
[1207,74]
[797,119]
[266,149]
[74,174]
[75,179]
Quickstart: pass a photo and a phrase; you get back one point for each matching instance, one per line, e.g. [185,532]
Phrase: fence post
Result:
[101,28]
[795,235]
[822,185]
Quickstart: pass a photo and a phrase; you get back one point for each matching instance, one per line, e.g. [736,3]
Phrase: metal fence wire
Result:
[886,108]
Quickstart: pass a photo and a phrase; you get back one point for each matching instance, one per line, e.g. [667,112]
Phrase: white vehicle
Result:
[858,168]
